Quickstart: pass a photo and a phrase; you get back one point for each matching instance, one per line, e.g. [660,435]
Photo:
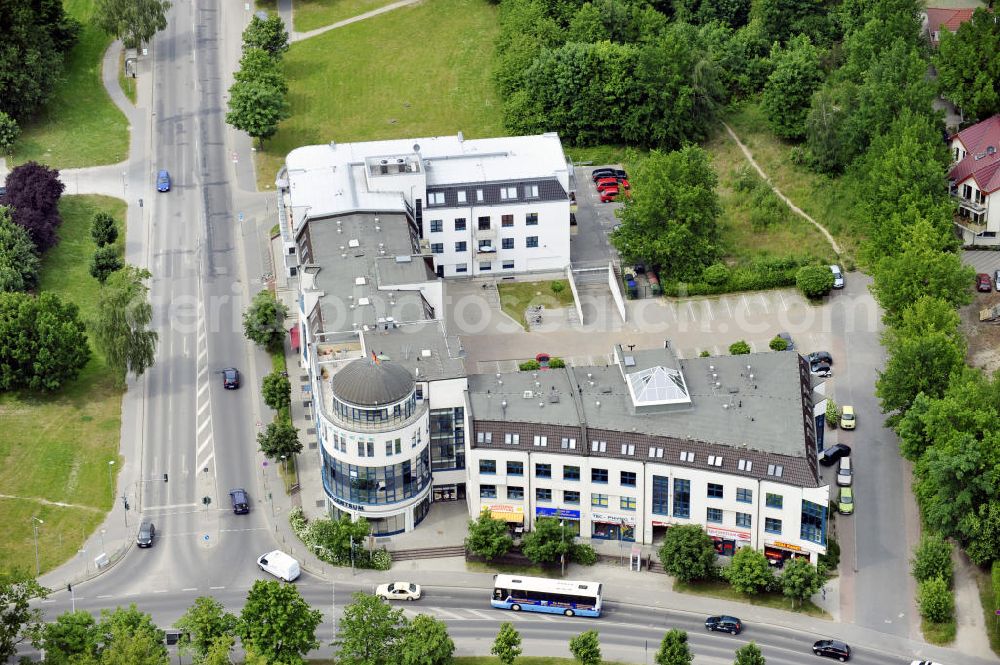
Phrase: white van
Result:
[845,474]
[280,565]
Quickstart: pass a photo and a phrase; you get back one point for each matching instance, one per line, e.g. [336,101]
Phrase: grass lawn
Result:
[938,633]
[343,89]
[57,447]
[828,200]
[490,660]
[726,592]
[515,297]
[80,126]
[126,83]
[311,14]
[989,603]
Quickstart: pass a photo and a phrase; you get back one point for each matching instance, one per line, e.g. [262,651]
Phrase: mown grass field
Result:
[516,297]
[80,126]
[311,14]
[776,600]
[57,447]
[343,88]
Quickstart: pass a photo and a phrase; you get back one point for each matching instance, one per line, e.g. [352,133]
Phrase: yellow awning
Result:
[507,516]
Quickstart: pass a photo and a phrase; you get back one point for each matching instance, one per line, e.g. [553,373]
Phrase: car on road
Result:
[724,624]
[609,195]
[788,340]
[832,649]
[845,504]
[230,378]
[848,420]
[820,357]
[163,181]
[845,473]
[830,456]
[279,564]
[241,502]
[398,591]
[983,283]
[147,533]
[838,277]
[821,369]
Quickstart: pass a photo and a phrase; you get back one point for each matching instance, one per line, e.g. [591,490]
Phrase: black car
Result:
[830,456]
[147,532]
[231,378]
[241,502]
[724,624]
[820,357]
[820,368]
[620,174]
[597,174]
[832,649]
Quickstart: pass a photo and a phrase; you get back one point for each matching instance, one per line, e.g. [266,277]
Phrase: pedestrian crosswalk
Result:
[450,614]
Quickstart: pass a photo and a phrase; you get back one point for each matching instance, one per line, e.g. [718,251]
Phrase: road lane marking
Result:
[767,310]
[216,588]
[159,590]
[449,614]
[190,588]
[202,427]
[172,506]
[483,615]
[106,595]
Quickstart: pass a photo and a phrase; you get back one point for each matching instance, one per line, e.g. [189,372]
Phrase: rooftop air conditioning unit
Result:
[528,394]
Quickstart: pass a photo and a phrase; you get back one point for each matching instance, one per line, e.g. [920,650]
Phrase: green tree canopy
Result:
[674,649]
[932,558]
[548,542]
[688,553]
[19,621]
[586,648]
[121,327]
[796,76]
[105,261]
[425,641]
[749,572]
[103,229]
[277,623]
[129,637]
[43,342]
[277,390]
[739,348]
[783,19]
[800,580]
[369,632]
[264,321]
[672,218]
[256,108]
[133,21]
[19,264]
[936,601]
[267,34]
[814,281]
[71,636]
[968,65]
[259,66]
[206,621]
[9,131]
[507,645]
[749,654]
[488,537]
[279,439]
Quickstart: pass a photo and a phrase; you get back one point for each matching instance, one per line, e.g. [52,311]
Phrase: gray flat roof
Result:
[422,348]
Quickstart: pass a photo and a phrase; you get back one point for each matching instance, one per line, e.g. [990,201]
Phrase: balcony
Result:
[968,204]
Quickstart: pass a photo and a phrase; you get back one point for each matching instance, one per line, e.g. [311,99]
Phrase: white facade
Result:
[975,182]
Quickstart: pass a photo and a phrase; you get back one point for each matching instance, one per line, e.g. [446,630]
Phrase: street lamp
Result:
[284,466]
[111,482]
[38,565]
[562,528]
[103,531]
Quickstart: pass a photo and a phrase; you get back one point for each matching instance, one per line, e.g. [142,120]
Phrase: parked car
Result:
[820,356]
[996,276]
[924,662]
[832,649]
[163,181]
[830,456]
[845,504]
[821,369]
[398,591]
[620,174]
[609,195]
[597,174]
[147,532]
[983,283]
[724,624]
[845,472]
[614,181]
[241,502]
[230,378]
[847,418]
[838,277]
[788,339]
[280,565]
[607,183]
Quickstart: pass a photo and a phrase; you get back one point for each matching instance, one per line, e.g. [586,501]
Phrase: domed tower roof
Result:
[367,383]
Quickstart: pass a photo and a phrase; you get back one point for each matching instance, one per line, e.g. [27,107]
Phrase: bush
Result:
[814,281]
[745,179]
[758,275]
[740,348]
[583,554]
[778,344]
[931,559]
[9,131]
[319,536]
[688,553]
[556,363]
[767,210]
[715,274]
[529,366]
[557,286]
[832,413]
[936,601]
[749,572]
[830,560]
[103,229]
[704,354]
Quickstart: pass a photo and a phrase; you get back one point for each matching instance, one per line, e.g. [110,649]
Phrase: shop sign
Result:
[659,523]
[504,508]
[728,534]
[785,546]
[561,513]
[348,505]
[606,518]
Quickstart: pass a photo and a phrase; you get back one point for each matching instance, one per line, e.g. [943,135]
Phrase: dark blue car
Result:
[163,181]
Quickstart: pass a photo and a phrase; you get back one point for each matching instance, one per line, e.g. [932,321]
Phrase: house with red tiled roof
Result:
[974,181]
[945,19]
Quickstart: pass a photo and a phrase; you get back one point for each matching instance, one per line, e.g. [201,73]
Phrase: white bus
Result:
[538,594]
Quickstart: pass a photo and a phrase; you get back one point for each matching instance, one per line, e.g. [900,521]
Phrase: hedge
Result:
[758,275]
[377,559]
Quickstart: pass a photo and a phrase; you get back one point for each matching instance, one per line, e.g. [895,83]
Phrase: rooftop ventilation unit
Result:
[353,243]
[426,353]
[359,281]
[527,394]
[630,361]
[404,259]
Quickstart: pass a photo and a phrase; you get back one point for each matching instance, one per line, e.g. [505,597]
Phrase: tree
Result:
[830,141]
[586,648]
[277,390]
[121,327]
[749,654]
[264,321]
[931,559]
[507,645]
[259,66]
[968,65]
[104,262]
[267,34]
[981,533]
[18,619]
[425,641]
[688,553]
[43,343]
[103,229]
[129,637]
[19,264]
[801,580]
[33,192]
[671,219]
[936,601]
[749,571]
[133,21]
[337,536]
[71,636]
[277,623]
[781,19]
[548,542]
[488,537]
[219,652]
[369,633]
[674,649]
[778,344]
[739,348]
[9,131]
[280,439]
[206,621]
[814,281]
[797,75]
[256,108]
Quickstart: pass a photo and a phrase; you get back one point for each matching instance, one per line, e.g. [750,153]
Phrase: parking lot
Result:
[594,221]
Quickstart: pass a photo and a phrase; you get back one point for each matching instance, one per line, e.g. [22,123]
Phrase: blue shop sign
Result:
[561,513]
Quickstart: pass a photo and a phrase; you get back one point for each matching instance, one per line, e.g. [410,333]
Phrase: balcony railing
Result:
[969,204]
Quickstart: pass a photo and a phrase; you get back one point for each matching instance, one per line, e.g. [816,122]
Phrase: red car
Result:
[604,183]
[983,282]
[609,194]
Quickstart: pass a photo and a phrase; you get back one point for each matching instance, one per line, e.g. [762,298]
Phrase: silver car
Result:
[838,277]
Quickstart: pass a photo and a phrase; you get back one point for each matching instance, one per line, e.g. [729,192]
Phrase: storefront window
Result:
[605,531]
[386,526]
